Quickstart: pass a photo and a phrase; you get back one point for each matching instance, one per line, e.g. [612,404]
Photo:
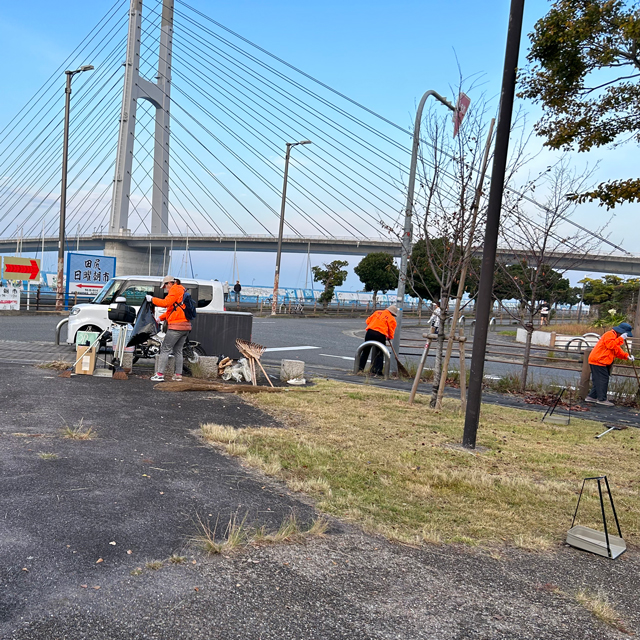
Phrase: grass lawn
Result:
[571,329]
[367,456]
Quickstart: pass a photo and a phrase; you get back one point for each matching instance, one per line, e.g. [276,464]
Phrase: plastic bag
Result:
[238,371]
[145,326]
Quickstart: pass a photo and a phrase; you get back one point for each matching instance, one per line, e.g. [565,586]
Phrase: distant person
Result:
[601,360]
[381,326]
[178,327]
[544,314]
[436,318]
[225,290]
[237,287]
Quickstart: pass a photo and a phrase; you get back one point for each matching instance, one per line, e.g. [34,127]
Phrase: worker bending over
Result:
[601,360]
[381,326]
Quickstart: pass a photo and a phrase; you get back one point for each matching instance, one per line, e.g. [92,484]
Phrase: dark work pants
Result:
[600,376]
[377,359]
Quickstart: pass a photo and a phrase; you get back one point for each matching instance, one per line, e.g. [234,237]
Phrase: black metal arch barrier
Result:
[375,345]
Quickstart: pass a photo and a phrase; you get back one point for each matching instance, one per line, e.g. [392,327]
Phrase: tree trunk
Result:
[375,300]
[437,368]
[527,356]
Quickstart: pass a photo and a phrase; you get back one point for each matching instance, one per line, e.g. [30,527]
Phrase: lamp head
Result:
[87,67]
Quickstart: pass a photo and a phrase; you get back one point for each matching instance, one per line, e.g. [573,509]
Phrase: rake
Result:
[253,352]
[633,364]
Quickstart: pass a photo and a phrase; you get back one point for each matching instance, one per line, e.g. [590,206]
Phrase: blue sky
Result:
[382,54]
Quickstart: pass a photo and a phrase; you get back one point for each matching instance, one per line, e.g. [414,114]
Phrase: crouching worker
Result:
[601,360]
[381,326]
[178,326]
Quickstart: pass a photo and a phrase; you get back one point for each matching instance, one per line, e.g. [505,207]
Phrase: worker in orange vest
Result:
[601,360]
[381,326]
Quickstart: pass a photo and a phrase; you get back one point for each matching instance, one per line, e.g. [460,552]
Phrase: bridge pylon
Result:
[159,95]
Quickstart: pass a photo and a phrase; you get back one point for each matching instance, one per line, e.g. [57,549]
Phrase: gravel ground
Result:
[144,480]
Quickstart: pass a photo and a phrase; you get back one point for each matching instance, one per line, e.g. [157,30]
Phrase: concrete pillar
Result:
[290,369]
[134,261]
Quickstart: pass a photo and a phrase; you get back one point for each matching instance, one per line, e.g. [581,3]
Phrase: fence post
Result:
[38,299]
[585,376]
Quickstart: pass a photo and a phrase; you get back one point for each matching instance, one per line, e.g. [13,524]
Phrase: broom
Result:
[401,367]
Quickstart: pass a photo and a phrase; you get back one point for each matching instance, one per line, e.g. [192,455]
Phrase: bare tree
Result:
[542,243]
[449,211]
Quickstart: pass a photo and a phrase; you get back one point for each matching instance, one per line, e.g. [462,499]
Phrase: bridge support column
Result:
[137,261]
[159,95]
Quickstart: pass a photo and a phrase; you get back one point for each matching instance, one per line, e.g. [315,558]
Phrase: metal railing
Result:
[375,345]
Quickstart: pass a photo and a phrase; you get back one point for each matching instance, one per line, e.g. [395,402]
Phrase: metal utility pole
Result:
[63,188]
[407,233]
[276,280]
[485,288]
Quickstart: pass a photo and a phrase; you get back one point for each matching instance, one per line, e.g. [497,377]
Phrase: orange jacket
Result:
[608,348]
[174,315]
[383,322]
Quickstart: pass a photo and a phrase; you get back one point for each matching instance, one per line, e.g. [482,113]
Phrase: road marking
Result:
[289,348]
[328,355]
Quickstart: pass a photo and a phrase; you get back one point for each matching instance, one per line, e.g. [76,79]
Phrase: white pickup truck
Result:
[93,316]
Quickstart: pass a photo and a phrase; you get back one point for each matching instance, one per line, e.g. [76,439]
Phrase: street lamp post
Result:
[407,233]
[276,280]
[63,188]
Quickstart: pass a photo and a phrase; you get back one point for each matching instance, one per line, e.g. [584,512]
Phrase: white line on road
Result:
[289,348]
[328,355]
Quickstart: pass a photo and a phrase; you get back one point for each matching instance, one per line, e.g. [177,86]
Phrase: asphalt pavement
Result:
[88,528]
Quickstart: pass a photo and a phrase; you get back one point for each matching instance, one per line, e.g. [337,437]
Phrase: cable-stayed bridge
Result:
[177,140]
[231,108]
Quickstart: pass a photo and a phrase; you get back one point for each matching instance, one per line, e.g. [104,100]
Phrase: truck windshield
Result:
[104,297]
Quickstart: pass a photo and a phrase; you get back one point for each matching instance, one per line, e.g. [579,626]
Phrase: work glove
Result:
[623,336]
[148,298]
[631,358]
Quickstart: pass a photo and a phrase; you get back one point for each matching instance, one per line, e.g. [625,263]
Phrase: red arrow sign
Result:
[32,269]
[90,286]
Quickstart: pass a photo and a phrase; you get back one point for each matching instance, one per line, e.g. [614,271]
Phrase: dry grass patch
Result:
[238,535]
[367,456]
[78,431]
[599,606]
[571,329]
[218,433]
[55,365]
[47,456]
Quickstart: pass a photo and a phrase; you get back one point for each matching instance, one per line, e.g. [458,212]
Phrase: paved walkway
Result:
[145,480]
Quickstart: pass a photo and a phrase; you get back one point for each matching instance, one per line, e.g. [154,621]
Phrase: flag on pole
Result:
[461,109]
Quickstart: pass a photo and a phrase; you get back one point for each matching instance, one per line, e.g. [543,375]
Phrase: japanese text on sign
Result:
[87,274]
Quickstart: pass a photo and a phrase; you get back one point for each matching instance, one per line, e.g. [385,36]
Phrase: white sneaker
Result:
[158,377]
[590,399]
[177,378]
